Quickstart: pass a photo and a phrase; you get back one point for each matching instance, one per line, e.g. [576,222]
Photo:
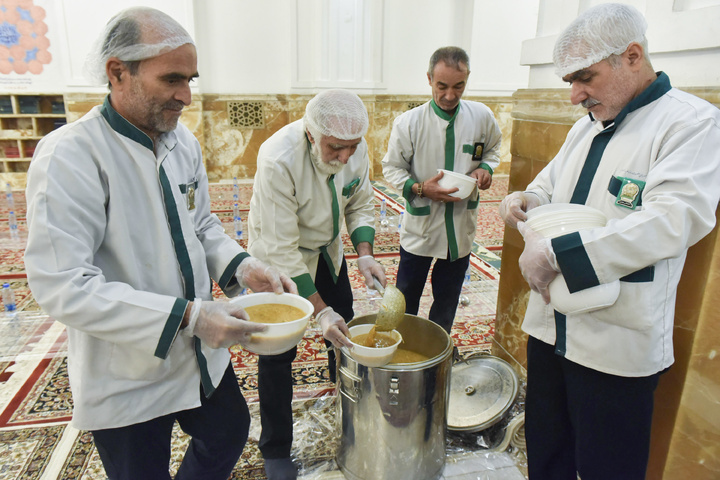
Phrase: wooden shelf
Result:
[24,120]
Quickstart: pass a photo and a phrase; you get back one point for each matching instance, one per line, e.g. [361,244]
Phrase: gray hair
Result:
[451,56]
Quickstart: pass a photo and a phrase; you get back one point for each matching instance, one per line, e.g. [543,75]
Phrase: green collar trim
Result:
[442,113]
[657,89]
[123,127]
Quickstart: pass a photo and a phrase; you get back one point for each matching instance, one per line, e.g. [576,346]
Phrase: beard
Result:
[326,168]
[154,116]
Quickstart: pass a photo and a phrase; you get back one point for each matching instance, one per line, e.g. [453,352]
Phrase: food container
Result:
[279,337]
[465,183]
[372,356]
[394,418]
[556,219]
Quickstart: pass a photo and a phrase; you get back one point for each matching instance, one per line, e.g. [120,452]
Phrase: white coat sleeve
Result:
[275,201]
[397,161]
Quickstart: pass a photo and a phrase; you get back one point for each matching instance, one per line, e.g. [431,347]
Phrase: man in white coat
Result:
[451,134]
[647,156]
[312,175]
[122,249]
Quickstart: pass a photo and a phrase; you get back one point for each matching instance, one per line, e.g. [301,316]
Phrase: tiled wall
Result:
[231,138]
[686,425]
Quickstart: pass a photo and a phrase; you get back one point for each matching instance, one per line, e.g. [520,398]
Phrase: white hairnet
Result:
[597,33]
[336,113]
[134,34]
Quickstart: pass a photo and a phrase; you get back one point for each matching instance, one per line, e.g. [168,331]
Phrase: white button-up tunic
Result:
[120,238]
[296,211]
[424,140]
[667,143]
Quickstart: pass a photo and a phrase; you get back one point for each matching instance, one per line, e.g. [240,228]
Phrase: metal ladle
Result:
[392,307]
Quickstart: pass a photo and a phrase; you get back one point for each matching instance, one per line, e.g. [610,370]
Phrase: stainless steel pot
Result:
[394,418]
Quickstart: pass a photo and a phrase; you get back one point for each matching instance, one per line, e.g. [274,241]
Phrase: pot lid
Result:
[482,389]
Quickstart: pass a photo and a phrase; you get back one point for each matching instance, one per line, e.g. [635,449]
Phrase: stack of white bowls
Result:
[556,219]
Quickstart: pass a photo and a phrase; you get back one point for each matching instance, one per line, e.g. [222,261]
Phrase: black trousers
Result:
[219,430]
[275,379]
[579,420]
[447,281]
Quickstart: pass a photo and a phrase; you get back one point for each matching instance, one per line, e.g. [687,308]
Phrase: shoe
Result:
[280,469]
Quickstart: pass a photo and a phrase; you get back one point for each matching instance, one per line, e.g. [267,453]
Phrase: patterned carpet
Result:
[36,440]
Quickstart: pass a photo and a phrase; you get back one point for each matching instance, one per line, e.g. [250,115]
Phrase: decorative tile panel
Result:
[246,114]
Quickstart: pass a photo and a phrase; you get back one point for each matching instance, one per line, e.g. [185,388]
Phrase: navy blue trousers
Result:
[275,379]
[447,281]
[219,429]
[579,420]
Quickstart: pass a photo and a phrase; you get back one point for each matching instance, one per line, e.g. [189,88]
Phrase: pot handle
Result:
[349,384]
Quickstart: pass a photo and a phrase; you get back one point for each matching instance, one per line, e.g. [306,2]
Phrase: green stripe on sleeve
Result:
[574,262]
[305,285]
[172,326]
[232,267]
[408,195]
[363,234]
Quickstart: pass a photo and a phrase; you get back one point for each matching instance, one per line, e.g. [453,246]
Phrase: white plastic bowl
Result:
[593,298]
[465,183]
[556,219]
[279,337]
[371,356]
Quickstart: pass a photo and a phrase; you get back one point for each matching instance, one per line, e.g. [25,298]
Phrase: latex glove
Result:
[260,277]
[537,262]
[514,207]
[369,267]
[333,327]
[220,325]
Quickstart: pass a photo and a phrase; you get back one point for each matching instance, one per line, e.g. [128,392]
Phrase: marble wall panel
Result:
[689,393]
[230,151]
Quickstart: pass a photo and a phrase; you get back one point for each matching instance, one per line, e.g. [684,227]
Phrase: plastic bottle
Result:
[236,189]
[400,220]
[8,297]
[238,227]
[12,221]
[9,196]
[464,299]
[384,222]
[236,210]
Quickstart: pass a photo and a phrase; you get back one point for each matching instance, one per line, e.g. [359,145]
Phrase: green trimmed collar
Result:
[657,89]
[442,113]
[123,127]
